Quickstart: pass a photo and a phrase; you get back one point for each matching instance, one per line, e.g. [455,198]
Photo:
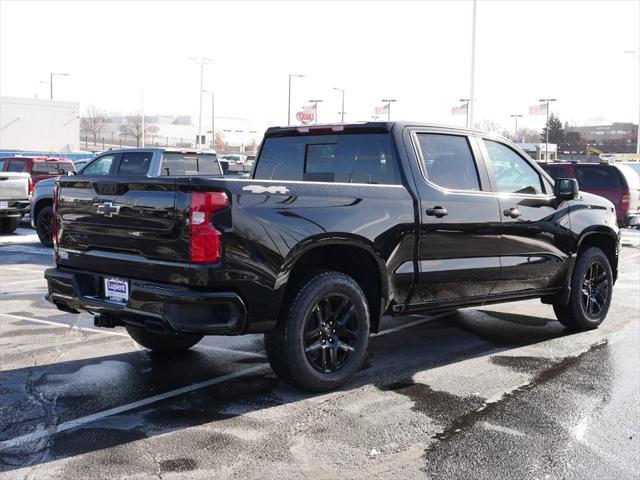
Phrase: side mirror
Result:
[565,188]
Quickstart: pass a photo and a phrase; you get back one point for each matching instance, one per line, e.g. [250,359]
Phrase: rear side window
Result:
[358,158]
[597,176]
[16,166]
[189,164]
[448,161]
[135,163]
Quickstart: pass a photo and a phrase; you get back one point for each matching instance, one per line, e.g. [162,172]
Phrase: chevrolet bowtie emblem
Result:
[108,209]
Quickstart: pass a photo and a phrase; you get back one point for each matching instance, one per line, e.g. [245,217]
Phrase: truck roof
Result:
[359,127]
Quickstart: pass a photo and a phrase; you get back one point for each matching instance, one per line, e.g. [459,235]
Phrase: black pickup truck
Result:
[338,225]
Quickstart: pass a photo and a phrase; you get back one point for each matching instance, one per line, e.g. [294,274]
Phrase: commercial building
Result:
[616,137]
[39,125]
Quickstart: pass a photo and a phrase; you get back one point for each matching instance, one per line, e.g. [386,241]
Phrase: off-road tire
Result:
[43,226]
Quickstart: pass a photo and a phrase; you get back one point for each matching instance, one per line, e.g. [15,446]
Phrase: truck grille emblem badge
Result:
[108,209]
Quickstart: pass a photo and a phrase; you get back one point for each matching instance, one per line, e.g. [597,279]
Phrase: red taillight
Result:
[206,241]
[54,216]
[30,186]
[625,201]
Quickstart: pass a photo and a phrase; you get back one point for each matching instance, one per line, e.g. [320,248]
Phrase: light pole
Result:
[388,101]
[472,98]
[342,109]
[466,103]
[51,75]
[637,57]
[289,97]
[315,108]
[515,132]
[546,148]
[213,122]
[202,61]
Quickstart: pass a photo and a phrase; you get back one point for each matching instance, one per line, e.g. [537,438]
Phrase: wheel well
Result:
[353,261]
[39,206]
[605,243]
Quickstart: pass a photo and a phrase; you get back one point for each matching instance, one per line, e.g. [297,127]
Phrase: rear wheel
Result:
[44,226]
[591,289]
[9,224]
[163,343]
[322,337]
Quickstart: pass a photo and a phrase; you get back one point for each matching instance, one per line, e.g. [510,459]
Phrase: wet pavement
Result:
[493,392]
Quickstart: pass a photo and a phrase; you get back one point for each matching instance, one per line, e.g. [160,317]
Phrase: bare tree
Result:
[251,146]
[220,142]
[528,135]
[133,128]
[93,121]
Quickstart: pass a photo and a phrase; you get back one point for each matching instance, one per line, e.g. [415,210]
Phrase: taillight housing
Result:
[54,217]
[205,240]
[30,186]
[625,201]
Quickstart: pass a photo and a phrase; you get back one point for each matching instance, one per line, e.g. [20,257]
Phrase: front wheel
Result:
[591,290]
[163,343]
[321,339]
[44,226]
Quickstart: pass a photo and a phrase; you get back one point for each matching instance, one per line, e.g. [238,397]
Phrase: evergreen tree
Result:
[556,131]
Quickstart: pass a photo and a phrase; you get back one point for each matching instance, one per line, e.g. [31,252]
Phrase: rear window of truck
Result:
[189,164]
[597,176]
[356,158]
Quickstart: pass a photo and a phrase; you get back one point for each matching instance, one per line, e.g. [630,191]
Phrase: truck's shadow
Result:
[43,397]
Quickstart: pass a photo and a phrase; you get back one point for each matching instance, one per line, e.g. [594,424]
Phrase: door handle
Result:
[438,212]
[512,212]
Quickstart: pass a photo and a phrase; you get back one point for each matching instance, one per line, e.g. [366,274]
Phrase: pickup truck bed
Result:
[338,226]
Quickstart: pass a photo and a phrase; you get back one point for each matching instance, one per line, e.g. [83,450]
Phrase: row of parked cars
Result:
[26,183]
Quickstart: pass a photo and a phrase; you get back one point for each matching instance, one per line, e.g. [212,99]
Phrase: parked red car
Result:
[616,182]
[38,168]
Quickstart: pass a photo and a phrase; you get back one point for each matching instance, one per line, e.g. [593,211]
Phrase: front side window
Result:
[100,166]
[16,166]
[448,161]
[595,176]
[512,172]
[135,163]
[356,158]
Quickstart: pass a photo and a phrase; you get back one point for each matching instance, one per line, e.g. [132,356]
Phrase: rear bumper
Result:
[16,209]
[158,307]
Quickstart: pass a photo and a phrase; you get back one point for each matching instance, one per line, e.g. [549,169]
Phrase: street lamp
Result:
[289,101]
[51,75]
[637,57]
[315,107]
[546,151]
[388,101]
[202,61]
[213,122]
[466,103]
[341,112]
[515,132]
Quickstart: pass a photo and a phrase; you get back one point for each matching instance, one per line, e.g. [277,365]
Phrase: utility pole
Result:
[466,105]
[388,101]
[342,109]
[51,75]
[202,61]
[637,57]
[472,98]
[315,108]
[213,122]
[289,97]
[142,105]
[515,132]
[546,148]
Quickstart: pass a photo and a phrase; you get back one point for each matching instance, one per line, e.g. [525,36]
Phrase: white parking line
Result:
[78,422]
[21,282]
[26,249]
[15,269]
[29,293]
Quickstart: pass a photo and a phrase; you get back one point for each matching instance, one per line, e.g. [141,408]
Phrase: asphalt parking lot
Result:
[494,392]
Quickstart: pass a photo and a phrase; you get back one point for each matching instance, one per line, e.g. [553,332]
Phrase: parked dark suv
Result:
[618,183]
[337,225]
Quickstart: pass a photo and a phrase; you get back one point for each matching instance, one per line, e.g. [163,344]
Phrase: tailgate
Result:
[14,186]
[137,220]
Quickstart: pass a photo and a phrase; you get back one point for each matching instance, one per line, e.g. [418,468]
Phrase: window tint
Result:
[16,165]
[100,166]
[448,161]
[555,172]
[2,162]
[513,173]
[50,168]
[135,163]
[597,177]
[189,164]
[362,158]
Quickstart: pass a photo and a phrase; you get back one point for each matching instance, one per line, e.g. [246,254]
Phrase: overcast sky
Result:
[415,52]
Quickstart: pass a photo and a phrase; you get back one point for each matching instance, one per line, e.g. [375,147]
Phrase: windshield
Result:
[177,163]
